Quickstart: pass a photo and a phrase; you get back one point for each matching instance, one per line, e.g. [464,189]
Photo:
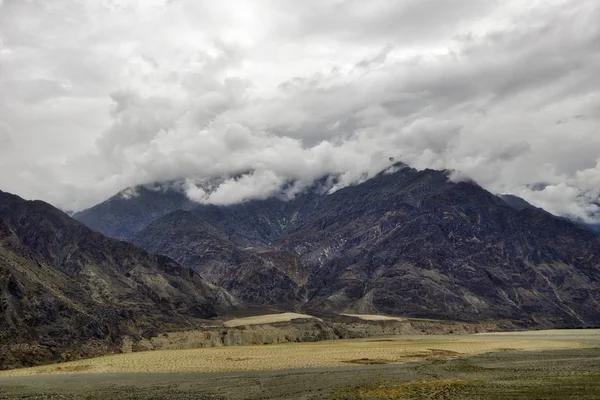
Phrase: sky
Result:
[100,95]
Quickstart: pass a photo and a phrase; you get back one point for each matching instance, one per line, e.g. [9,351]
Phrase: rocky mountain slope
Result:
[131,210]
[259,276]
[415,243]
[68,292]
[405,242]
[518,203]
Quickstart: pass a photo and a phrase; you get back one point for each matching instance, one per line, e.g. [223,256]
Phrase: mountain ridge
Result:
[68,292]
[416,243]
[119,217]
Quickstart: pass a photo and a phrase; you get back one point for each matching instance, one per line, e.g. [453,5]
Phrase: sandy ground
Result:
[373,317]
[265,319]
[572,374]
[383,350]
[581,334]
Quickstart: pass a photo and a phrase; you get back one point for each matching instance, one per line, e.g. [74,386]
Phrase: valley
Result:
[407,284]
[548,364]
[405,252]
[337,353]
[299,200]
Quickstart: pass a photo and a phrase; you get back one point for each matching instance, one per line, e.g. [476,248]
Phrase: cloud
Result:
[106,95]
[5,137]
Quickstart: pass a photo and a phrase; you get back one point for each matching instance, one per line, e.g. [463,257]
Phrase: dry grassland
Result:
[373,317]
[265,319]
[395,349]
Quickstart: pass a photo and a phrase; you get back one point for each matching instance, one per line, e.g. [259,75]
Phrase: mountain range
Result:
[405,242]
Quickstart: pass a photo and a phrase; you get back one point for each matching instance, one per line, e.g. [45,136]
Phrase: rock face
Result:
[414,243]
[68,292]
[260,222]
[405,242]
[257,276]
[307,330]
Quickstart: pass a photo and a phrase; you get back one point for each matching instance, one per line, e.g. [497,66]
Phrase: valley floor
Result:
[533,365]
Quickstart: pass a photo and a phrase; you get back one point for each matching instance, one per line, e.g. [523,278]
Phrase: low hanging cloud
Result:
[255,96]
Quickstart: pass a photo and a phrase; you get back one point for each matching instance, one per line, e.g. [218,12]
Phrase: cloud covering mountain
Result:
[101,95]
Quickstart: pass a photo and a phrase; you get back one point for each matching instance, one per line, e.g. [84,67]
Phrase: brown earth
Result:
[398,349]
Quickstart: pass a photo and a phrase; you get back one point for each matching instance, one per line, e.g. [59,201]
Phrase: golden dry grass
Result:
[265,319]
[395,349]
[373,317]
[554,333]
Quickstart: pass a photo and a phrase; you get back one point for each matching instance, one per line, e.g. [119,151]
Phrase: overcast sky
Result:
[96,96]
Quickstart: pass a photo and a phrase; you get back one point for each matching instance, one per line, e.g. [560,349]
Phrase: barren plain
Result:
[334,353]
[554,364]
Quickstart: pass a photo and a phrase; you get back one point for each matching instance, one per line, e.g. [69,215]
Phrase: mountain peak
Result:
[396,244]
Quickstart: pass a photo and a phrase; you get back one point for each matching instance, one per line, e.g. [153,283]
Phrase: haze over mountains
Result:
[405,242]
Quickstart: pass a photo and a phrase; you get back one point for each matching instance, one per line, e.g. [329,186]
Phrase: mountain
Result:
[517,202]
[595,227]
[258,276]
[131,210]
[68,292]
[405,242]
[255,221]
[259,222]
[416,243]
[195,243]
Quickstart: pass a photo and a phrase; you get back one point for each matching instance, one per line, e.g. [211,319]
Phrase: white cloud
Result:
[104,95]
[5,138]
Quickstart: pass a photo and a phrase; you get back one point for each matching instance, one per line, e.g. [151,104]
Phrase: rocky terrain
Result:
[132,209]
[415,243]
[305,330]
[405,242]
[260,276]
[67,292]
